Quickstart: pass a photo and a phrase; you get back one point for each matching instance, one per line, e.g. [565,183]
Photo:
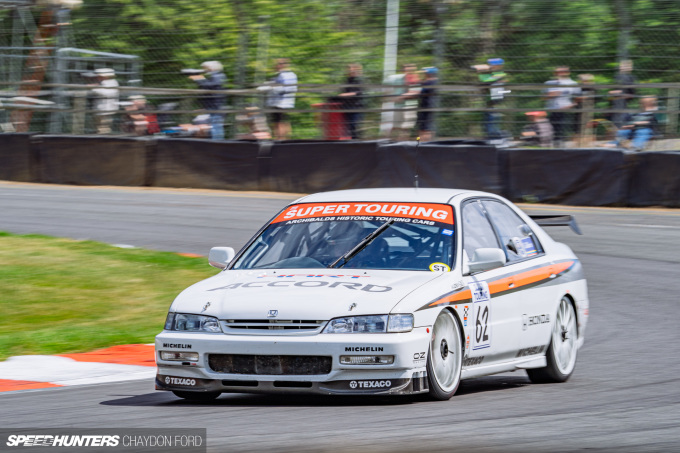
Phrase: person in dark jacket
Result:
[426,101]
[213,79]
[353,99]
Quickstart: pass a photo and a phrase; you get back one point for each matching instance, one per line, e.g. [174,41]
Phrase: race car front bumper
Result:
[294,363]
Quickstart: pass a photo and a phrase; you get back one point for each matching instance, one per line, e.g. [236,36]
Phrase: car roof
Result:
[402,194]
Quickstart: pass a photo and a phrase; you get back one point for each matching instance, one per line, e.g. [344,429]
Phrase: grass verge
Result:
[63,295]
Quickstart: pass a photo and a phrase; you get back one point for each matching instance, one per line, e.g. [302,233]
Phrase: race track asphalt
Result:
[623,397]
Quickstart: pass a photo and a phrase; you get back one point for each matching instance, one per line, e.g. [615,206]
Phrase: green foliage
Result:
[61,295]
[322,36]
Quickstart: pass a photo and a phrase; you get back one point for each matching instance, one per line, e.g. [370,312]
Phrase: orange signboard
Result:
[352,211]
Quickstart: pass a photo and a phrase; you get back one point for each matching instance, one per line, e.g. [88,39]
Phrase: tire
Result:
[561,354]
[445,357]
[197,396]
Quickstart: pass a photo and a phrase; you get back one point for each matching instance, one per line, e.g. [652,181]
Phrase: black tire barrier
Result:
[459,166]
[316,166]
[655,180]
[581,177]
[95,160]
[585,177]
[16,158]
[205,164]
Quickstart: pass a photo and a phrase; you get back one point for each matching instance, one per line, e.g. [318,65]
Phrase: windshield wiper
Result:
[361,245]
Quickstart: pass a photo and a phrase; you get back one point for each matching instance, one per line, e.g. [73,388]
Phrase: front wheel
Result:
[561,355]
[197,396]
[445,359]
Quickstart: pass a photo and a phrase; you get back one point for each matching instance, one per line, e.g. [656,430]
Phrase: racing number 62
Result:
[482,325]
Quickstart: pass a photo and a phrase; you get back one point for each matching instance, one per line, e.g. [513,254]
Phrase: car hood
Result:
[299,294]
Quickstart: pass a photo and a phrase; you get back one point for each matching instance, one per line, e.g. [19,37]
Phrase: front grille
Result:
[268,365]
[271,326]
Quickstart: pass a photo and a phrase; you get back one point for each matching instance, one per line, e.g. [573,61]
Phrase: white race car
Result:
[379,291]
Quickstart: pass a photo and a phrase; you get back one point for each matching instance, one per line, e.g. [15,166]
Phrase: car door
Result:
[494,306]
[529,267]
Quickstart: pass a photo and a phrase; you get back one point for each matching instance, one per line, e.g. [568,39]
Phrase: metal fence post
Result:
[672,111]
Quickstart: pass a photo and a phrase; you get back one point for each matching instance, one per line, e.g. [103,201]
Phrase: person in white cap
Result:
[106,99]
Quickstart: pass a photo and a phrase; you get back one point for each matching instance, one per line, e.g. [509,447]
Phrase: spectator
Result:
[213,79]
[353,99]
[560,99]
[620,98]
[137,122]
[493,76]
[641,126]
[392,116]
[409,101]
[106,99]
[426,102]
[540,131]
[281,98]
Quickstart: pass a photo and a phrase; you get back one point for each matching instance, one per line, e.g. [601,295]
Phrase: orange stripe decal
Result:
[511,282]
[463,295]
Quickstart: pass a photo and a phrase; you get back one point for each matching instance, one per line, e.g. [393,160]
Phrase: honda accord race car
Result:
[380,291]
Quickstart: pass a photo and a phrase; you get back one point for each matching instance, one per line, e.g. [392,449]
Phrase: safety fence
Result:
[459,111]
[589,177]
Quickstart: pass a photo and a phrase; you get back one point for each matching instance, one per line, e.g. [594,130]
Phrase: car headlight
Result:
[370,324]
[192,323]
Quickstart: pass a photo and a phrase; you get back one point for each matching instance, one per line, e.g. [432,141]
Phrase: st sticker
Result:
[439,267]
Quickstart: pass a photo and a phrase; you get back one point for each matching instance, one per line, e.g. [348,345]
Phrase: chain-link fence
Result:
[462,112]
[155,42]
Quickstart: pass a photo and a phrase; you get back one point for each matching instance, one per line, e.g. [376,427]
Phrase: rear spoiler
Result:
[557,220]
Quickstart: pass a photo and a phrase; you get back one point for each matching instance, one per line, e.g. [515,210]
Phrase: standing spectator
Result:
[106,99]
[281,98]
[426,101]
[392,116]
[213,79]
[410,100]
[560,98]
[353,99]
[493,76]
[619,99]
[400,118]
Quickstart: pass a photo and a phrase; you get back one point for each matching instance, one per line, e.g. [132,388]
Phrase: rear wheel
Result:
[445,359]
[196,396]
[561,355]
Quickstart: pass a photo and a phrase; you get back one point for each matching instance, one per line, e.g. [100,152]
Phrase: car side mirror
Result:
[485,259]
[220,257]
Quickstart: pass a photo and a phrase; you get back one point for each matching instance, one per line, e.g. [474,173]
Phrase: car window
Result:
[519,241]
[477,231]
[418,236]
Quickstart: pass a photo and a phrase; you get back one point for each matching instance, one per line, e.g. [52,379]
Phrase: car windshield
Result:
[399,236]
